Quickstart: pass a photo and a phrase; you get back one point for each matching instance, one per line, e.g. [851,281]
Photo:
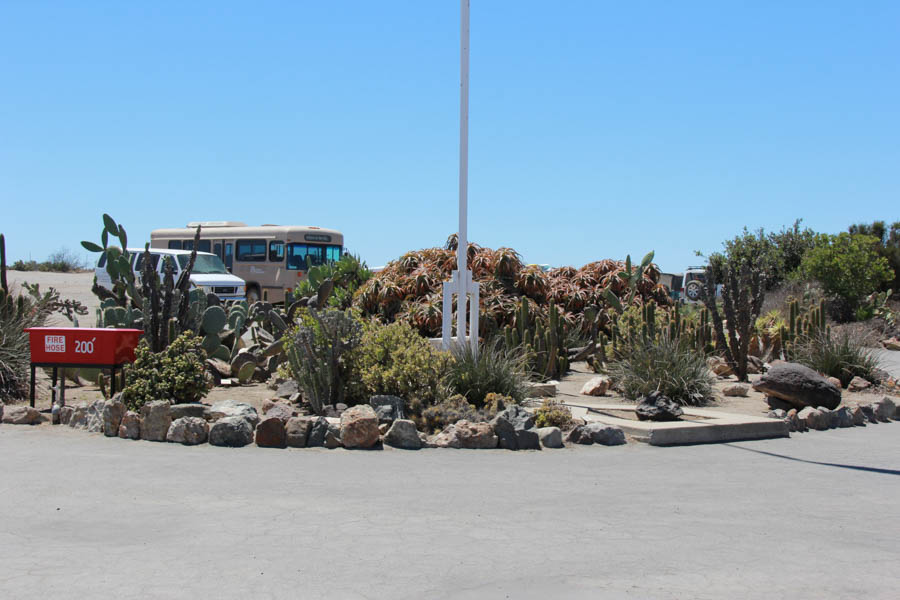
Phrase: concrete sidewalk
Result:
[89,517]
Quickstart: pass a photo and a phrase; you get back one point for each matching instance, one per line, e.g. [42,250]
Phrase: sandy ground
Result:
[77,286]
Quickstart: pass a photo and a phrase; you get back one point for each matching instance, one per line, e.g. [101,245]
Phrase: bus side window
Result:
[229,256]
[204,246]
[276,251]
[174,244]
[187,245]
[217,250]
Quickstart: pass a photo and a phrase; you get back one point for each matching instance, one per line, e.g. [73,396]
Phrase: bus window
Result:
[174,244]
[229,258]
[187,245]
[299,255]
[251,251]
[276,251]
[217,250]
[333,253]
[204,246]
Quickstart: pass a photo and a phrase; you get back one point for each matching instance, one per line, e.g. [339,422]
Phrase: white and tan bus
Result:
[272,259]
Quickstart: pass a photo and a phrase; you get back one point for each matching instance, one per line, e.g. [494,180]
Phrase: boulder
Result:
[78,420]
[359,427]
[528,439]
[814,418]
[869,412]
[189,431]
[388,408]
[735,390]
[94,422]
[65,414]
[155,420]
[296,431]
[465,434]
[271,433]
[798,385]
[280,410]
[188,409]
[779,404]
[796,424]
[317,432]
[596,386]
[545,389]
[778,413]
[550,437]
[826,416]
[858,416]
[130,427]
[858,384]
[335,411]
[222,368]
[718,366]
[754,365]
[841,417]
[112,413]
[657,407]
[287,389]
[518,416]
[21,414]
[580,435]
[505,432]
[333,436]
[607,435]
[232,408]
[233,432]
[403,434]
[834,381]
[885,409]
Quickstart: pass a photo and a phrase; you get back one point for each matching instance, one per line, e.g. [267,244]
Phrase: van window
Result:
[139,261]
[174,244]
[102,262]
[276,251]
[251,251]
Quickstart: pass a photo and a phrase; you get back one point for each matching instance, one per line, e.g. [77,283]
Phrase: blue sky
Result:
[597,129]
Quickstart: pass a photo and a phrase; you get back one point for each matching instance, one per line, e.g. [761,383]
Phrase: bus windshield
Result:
[205,264]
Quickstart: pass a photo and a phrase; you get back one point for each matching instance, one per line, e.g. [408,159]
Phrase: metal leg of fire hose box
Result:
[112,381]
[53,386]
[31,397]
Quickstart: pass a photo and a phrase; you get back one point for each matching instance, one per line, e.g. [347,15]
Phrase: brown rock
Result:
[21,414]
[130,427]
[814,418]
[270,433]
[596,386]
[858,384]
[735,390]
[718,366]
[296,431]
[834,381]
[359,427]
[189,431]
[280,410]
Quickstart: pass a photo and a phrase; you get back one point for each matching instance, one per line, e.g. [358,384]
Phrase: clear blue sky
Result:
[597,128]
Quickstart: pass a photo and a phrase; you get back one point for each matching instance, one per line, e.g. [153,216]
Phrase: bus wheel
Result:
[252,294]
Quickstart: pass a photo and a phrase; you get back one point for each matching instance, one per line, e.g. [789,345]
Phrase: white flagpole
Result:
[463,246]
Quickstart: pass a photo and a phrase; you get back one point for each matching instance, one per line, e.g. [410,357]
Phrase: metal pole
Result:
[463,245]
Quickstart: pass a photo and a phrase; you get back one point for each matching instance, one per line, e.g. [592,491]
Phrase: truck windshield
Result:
[205,264]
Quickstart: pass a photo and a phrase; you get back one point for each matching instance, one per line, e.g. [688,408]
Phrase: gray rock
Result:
[826,415]
[78,420]
[798,385]
[112,413]
[779,404]
[505,432]
[270,433]
[778,413]
[550,437]
[518,416]
[596,386]
[21,414]
[130,427]
[296,431]
[885,409]
[607,435]
[858,384]
[858,416]
[233,432]
[542,390]
[188,409]
[403,434]
[94,422]
[155,420]
[528,439]
[287,389]
[189,431]
[333,436]
[580,435]
[657,407]
[388,408]
[814,418]
[841,417]
[797,424]
[65,414]
[317,432]
[232,408]
[736,390]
[869,412]
[280,410]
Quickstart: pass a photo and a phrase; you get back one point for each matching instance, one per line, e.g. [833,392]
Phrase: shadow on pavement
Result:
[815,462]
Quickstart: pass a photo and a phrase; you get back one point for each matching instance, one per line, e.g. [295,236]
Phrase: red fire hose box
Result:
[81,346]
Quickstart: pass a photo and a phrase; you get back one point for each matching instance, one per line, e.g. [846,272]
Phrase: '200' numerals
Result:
[85,346]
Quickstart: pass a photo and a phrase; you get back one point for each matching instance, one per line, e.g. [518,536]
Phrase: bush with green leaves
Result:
[840,354]
[494,369]
[18,312]
[553,413]
[664,365]
[889,246]
[395,360]
[347,274]
[177,373]
[849,268]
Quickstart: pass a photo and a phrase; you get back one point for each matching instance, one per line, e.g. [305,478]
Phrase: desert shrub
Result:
[347,274]
[553,413]
[178,373]
[495,369]
[840,354]
[664,365]
[317,349]
[496,403]
[18,311]
[446,412]
[394,359]
[849,269]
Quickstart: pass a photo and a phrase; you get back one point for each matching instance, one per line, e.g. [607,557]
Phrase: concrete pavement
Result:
[813,516]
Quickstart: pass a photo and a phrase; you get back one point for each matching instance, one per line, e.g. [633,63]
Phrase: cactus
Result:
[543,343]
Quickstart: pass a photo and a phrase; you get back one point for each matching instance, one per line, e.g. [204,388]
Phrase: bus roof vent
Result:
[268,225]
[217,224]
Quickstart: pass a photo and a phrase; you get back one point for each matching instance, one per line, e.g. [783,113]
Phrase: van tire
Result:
[252,294]
[692,290]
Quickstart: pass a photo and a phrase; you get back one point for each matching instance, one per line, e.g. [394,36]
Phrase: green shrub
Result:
[18,311]
[318,349]
[446,412]
[553,413]
[394,359]
[494,370]
[849,268]
[664,365]
[841,354]
[178,373]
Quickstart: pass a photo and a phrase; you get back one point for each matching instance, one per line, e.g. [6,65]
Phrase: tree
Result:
[849,268]
[889,246]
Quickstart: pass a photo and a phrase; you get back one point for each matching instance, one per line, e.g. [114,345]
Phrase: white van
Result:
[209,273]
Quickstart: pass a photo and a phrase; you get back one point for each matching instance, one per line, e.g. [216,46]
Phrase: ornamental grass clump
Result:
[842,355]
[665,365]
[495,369]
[177,374]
